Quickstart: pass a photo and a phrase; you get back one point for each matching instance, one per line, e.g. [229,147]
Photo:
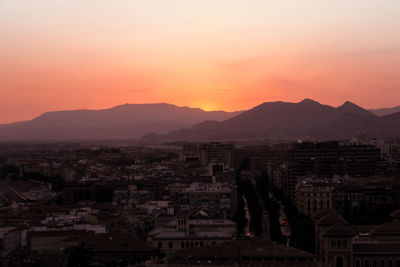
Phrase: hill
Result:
[128,121]
[385,111]
[307,119]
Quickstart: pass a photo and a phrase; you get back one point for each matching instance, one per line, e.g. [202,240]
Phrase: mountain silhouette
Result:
[127,121]
[153,123]
[385,111]
[307,119]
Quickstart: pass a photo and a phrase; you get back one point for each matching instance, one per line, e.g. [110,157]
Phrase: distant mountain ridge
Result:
[154,123]
[385,111]
[127,121]
[307,119]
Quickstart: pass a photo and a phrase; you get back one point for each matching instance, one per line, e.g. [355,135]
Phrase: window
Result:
[382,263]
[374,263]
[366,263]
[345,243]
[358,263]
[170,245]
[182,244]
[159,245]
[390,263]
[333,243]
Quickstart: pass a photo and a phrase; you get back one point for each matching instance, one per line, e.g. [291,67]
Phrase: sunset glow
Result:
[213,54]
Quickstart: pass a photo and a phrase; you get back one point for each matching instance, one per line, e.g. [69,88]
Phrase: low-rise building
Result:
[343,245]
[192,229]
[247,252]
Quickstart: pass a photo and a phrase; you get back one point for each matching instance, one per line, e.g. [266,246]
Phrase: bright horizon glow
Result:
[216,55]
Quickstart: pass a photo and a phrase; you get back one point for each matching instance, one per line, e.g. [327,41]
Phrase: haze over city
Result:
[216,55]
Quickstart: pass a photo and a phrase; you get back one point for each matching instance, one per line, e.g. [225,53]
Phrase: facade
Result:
[254,252]
[217,152]
[369,198]
[217,199]
[327,159]
[191,230]
[378,197]
[311,197]
[348,199]
[342,245]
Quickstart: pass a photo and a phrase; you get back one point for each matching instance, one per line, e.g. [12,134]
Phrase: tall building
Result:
[327,159]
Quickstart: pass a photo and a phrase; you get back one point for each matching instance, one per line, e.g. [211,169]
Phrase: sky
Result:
[213,54]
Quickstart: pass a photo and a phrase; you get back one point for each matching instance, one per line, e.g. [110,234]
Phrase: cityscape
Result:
[199,133]
[333,203]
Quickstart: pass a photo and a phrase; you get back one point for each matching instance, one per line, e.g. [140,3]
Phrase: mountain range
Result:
[129,121]
[307,119]
[153,123]
[385,111]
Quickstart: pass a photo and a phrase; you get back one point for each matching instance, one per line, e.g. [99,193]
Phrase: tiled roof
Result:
[332,218]
[395,214]
[244,248]
[321,213]
[391,228]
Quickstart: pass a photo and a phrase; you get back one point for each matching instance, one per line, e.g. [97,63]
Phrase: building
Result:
[217,152]
[342,245]
[378,197]
[352,199]
[348,199]
[105,249]
[10,240]
[313,196]
[327,159]
[217,199]
[191,229]
[247,252]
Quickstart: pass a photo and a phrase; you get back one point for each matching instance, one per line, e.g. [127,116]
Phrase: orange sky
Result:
[211,54]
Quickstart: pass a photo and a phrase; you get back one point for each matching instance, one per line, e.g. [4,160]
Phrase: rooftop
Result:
[246,248]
